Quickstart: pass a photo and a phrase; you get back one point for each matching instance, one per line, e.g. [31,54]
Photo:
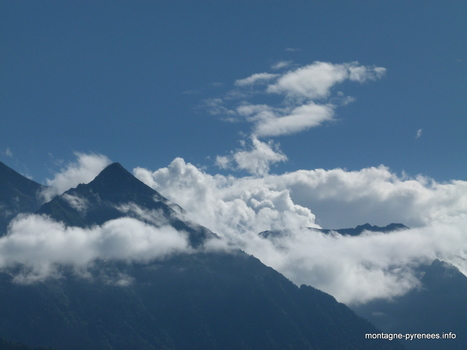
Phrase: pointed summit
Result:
[117,184]
[114,172]
[101,199]
[116,193]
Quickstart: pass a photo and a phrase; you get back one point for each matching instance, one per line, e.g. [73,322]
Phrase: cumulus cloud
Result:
[256,160]
[41,246]
[226,204]
[339,197]
[353,269]
[83,170]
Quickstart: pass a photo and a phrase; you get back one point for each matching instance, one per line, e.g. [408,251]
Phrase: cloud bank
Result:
[353,269]
[41,246]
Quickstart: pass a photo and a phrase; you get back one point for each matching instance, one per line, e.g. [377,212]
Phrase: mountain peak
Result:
[112,195]
[114,168]
[117,184]
[114,172]
[114,186]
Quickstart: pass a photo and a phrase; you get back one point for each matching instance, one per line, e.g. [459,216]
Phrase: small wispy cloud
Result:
[8,153]
[419,133]
[255,79]
[281,64]
[191,92]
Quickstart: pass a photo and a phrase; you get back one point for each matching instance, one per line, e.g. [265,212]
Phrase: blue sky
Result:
[253,116]
[130,80]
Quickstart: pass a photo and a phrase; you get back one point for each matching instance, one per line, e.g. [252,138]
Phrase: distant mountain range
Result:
[202,299]
[198,300]
[356,231]
[366,227]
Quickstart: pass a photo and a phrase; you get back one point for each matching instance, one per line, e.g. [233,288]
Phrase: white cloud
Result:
[353,269]
[84,170]
[227,205]
[362,73]
[42,245]
[257,78]
[337,197]
[256,161]
[341,198]
[316,80]
[300,118]
[291,97]
[419,133]
[248,110]
[8,152]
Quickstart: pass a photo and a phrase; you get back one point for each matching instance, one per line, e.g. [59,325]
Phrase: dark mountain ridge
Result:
[190,301]
[18,194]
